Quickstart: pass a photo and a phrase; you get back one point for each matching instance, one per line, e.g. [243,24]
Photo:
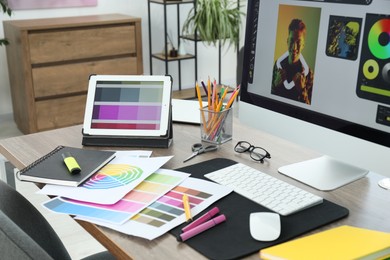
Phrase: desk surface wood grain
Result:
[367,202]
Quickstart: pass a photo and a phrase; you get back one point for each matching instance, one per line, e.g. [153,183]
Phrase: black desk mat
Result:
[232,239]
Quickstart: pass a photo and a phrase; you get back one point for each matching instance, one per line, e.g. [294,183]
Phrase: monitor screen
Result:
[324,62]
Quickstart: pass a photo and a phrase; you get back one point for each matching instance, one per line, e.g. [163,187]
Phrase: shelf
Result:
[180,57]
[190,37]
[184,94]
[162,57]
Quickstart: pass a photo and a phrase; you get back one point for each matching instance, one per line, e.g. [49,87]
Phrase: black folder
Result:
[232,239]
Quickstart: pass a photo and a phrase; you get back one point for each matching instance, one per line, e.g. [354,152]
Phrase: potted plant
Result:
[7,10]
[214,20]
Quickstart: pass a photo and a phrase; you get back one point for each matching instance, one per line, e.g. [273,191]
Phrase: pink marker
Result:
[207,216]
[202,227]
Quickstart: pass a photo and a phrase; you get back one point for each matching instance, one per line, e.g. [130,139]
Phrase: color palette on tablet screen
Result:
[133,105]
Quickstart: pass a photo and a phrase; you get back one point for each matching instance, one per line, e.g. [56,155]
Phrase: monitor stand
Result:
[323,173]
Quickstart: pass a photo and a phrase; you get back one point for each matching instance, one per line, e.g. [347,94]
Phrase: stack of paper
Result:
[135,196]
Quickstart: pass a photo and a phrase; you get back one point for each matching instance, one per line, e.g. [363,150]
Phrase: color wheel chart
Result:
[170,206]
[113,175]
[140,197]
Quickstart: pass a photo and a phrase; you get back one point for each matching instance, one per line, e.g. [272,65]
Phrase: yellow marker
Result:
[71,163]
[187,208]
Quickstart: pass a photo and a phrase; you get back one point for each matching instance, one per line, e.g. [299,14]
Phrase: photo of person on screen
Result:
[292,78]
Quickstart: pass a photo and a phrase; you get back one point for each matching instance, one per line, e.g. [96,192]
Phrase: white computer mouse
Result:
[264,226]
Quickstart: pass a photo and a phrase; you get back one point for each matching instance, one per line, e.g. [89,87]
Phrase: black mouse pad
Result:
[232,239]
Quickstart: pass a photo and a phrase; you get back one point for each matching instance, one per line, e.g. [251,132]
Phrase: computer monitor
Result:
[318,73]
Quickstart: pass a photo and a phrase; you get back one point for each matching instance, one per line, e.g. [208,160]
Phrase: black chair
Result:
[25,233]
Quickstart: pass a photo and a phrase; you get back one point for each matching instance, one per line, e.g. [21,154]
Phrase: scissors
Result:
[198,148]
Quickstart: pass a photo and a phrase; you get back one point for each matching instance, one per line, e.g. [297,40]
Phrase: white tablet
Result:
[128,105]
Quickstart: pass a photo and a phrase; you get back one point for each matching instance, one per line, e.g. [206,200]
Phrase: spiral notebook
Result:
[51,169]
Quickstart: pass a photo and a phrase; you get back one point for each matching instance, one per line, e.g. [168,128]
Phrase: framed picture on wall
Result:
[39,4]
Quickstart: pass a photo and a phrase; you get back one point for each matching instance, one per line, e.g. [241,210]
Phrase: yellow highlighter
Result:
[71,163]
[187,208]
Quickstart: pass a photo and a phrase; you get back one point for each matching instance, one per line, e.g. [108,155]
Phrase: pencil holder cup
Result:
[216,127]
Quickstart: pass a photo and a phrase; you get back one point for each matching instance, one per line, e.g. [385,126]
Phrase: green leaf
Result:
[214,20]
[3,42]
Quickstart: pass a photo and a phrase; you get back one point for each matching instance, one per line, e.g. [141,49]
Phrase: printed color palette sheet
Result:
[140,197]
[112,182]
[167,212]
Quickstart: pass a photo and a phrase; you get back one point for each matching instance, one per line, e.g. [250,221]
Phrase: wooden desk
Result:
[367,202]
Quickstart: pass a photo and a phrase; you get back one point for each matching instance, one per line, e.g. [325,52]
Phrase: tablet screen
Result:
[128,105]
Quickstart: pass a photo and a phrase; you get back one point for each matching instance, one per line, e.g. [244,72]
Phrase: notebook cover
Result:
[51,168]
[344,242]
[232,238]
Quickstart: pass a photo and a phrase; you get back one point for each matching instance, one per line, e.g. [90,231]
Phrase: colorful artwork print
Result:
[113,175]
[39,4]
[295,53]
[343,37]
[374,68]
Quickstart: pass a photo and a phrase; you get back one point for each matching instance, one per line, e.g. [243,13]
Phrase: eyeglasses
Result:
[256,153]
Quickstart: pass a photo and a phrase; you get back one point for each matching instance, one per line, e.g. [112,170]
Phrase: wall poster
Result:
[39,4]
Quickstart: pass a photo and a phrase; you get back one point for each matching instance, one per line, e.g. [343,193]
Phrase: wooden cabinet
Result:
[50,60]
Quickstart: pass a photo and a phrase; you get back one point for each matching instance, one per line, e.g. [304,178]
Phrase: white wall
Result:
[207,56]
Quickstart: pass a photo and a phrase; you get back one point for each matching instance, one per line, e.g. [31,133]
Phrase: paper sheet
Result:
[167,212]
[147,192]
[112,182]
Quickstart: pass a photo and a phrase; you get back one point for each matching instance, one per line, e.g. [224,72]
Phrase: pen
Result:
[207,216]
[223,93]
[71,163]
[214,88]
[187,208]
[200,105]
[204,87]
[233,97]
[202,227]
[215,95]
[209,93]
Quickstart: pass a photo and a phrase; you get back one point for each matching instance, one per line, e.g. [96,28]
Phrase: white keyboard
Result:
[268,191]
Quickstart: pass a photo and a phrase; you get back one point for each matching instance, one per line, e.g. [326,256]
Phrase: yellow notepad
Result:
[344,242]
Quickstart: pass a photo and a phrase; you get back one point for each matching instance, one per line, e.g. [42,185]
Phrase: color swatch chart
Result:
[170,206]
[152,188]
[167,212]
[133,105]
